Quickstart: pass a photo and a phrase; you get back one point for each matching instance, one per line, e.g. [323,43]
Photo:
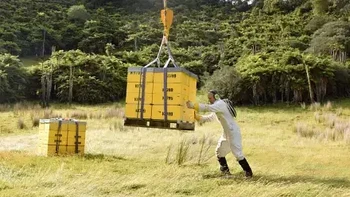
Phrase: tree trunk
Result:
[44,39]
[309,83]
[287,91]
[298,95]
[48,88]
[43,91]
[255,94]
[323,88]
[135,43]
[274,91]
[70,96]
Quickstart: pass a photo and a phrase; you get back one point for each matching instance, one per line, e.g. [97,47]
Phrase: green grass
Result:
[124,161]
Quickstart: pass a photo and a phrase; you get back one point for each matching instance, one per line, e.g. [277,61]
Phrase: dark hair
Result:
[215,94]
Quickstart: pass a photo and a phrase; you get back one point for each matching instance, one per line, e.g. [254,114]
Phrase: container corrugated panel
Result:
[57,136]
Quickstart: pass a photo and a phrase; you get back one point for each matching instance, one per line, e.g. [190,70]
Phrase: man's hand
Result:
[190,104]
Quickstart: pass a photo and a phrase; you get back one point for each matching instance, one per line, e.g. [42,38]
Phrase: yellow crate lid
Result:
[64,121]
[176,69]
[139,69]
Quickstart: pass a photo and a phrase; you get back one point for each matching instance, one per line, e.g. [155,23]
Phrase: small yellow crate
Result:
[134,111]
[54,133]
[137,87]
[174,112]
[172,99]
[134,75]
[174,75]
[171,88]
[136,98]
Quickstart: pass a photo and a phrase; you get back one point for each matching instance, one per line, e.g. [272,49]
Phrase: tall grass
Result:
[4,107]
[347,135]
[117,125]
[303,130]
[81,115]
[21,124]
[205,143]
[35,121]
[329,126]
[182,151]
[114,113]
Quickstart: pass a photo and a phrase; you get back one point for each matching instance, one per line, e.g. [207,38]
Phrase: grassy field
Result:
[293,151]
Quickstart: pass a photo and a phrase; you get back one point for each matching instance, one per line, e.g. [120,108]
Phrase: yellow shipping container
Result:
[56,134]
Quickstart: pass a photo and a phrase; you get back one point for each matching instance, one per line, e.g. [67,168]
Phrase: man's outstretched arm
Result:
[205,118]
[204,107]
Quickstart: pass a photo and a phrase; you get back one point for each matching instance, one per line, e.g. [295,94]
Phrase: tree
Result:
[320,7]
[12,79]
[78,12]
[332,39]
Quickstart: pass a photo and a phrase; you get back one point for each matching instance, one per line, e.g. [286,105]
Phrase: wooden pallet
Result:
[161,124]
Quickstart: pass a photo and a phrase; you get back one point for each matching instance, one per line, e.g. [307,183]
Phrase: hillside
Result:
[262,49]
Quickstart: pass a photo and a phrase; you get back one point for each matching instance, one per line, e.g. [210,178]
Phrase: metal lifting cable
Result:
[167,20]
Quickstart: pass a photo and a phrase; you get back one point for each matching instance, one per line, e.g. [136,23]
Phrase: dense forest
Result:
[253,52]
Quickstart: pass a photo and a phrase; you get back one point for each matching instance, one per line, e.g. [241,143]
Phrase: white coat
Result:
[230,139]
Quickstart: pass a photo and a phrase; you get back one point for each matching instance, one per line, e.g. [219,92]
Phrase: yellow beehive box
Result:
[172,99]
[136,98]
[177,94]
[137,87]
[134,75]
[174,75]
[176,88]
[57,133]
[174,113]
[180,87]
[134,111]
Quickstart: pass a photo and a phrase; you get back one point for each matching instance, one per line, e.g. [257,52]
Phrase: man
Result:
[231,136]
